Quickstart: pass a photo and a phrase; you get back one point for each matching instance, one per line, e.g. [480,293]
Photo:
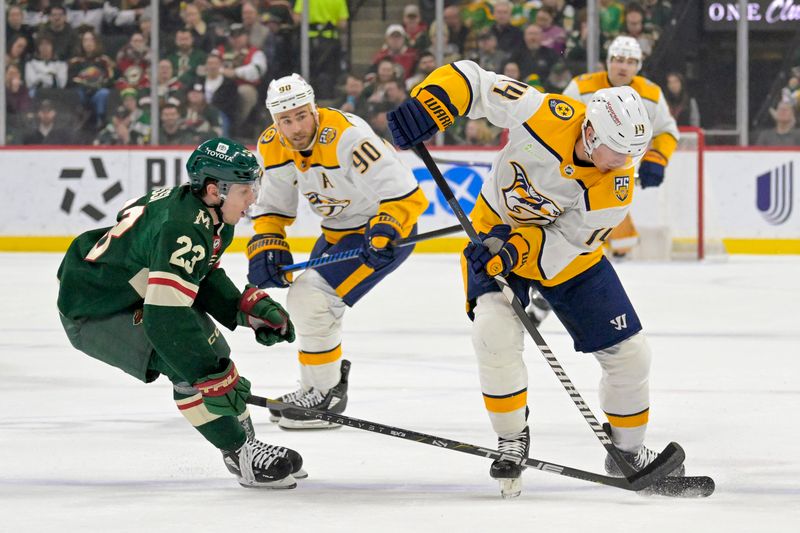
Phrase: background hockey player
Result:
[555,192]
[366,198]
[624,62]
[138,296]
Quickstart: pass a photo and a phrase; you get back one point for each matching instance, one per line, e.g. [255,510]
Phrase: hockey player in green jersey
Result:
[138,296]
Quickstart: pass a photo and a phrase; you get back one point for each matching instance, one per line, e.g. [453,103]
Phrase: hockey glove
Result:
[224,392]
[410,124]
[497,255]
[269,320]
[382,229]
[651,170]
[267,254]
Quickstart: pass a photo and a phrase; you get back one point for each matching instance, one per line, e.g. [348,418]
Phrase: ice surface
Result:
[83,447]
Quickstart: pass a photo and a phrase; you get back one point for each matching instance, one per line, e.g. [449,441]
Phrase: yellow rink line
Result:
[440,245]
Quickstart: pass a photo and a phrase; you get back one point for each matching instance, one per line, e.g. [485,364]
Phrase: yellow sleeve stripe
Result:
[665,144]
[506,403]
[447,83]
[406,210]
[272,223]
[320,358]
[629,421]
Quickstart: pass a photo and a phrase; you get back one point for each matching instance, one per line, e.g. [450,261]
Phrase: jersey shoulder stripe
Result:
[556,124]
[646,89]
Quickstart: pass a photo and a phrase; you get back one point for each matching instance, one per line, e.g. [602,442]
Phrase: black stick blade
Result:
[668,460]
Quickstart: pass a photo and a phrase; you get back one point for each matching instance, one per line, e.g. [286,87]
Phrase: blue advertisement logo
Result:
[775,194]
[465,181]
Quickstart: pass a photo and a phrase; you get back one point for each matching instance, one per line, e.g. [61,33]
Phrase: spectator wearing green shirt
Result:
[327,19]
[187,61]
[611,18]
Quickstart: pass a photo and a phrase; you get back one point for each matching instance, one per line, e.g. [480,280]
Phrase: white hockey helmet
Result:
[289,92]
[620,122]
[627,47]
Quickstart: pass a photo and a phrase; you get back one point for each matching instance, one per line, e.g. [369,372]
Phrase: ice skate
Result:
[260,465]
[638,459]
[334,401]
[289,397]
[507,469]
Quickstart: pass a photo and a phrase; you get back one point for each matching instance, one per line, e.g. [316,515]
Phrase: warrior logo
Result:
[325,205]
[621,187]
[524,203]
[774,193]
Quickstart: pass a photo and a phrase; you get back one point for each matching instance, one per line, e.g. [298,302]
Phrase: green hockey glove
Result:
[266,316]
[224,392]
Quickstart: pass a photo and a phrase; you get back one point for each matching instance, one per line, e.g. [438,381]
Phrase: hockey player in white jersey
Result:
[366,198]
[624,63]
[553,195]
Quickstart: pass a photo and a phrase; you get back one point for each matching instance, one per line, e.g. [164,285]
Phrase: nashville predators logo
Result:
[621,187]
[268,136]
[561,109]
[325,205]
[524,203]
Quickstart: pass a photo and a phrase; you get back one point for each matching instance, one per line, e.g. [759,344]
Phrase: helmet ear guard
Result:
[620,122]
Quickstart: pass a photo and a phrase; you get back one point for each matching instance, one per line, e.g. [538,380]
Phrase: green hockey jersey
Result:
[162,256]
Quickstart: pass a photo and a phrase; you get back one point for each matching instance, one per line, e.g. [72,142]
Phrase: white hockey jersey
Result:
[348,176]
[665,129]
[563,209]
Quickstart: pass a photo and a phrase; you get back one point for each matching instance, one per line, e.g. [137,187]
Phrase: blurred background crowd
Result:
[79,71]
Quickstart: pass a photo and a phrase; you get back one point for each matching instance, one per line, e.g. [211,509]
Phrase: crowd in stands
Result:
[87,63]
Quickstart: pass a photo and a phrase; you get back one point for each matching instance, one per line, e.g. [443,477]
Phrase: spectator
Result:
[425,65]
[534,57]
[61,34]
[354,101]
[511,70]
[128,126]
[509,38]
[221,92]
[15,26]
[246,65]
[416,30]
[18,53]
[133,62]
[564,14]
[18,100]
[279,45]
[326,18]
[458,33]
[87,14]
[251,20]
[202,121]
[488,56]
[553,37]
[188,62]
[127,17]
[394,93]
[682,107]
[168,86]
[377,120]
[396,50]
[575,51]
[92,73]
[611,18]
[46,131]
[558,79]
[477,15]
[44,71]
[634,26]
[450,53]
[657,15]
[478,133]
[374,91]
[784,133]
[201,35]
[172,131]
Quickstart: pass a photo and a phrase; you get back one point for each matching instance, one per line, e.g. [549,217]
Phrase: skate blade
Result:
[289,424]
[510,487]
[286,483]
[300,474]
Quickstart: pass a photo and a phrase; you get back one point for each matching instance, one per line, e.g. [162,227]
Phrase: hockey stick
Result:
[638,481]
[461,163]
[350,254]
[673,455]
